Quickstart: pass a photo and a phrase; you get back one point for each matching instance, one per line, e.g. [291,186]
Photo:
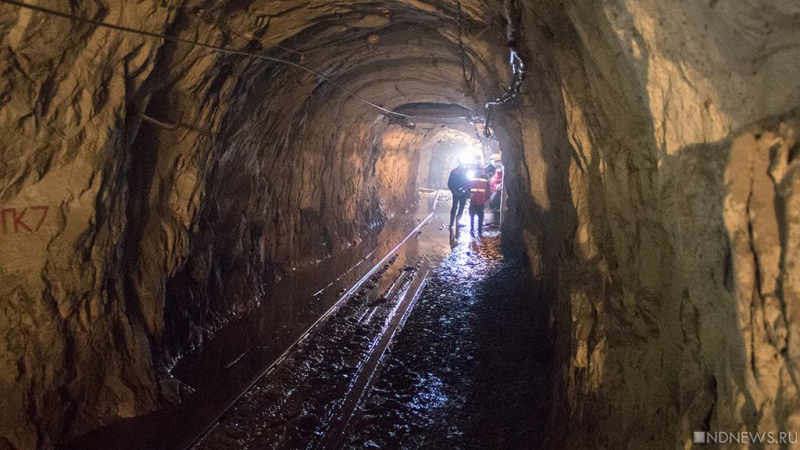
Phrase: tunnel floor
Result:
[468,367]
[414,339]
[469,370]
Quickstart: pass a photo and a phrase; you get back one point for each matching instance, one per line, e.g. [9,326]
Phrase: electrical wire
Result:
[99,23]
[517,67]
[467,80]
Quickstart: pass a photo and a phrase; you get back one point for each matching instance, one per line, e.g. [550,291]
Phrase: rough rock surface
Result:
[658,162]
[149,189]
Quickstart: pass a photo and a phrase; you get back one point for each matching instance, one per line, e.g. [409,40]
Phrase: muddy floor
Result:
[471,367]
[438,344]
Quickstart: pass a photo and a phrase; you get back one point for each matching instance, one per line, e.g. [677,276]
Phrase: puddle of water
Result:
[419,400]
[297,404]
[240,351]
[293,405]
[300,298]
[288,309]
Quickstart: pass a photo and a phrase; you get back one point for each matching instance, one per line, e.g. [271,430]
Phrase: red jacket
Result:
[480,190]
[496,180]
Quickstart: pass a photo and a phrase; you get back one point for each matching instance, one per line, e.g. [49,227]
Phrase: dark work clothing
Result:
[458,183]
[494,201]
[459,203]
[473,211]
[458,180]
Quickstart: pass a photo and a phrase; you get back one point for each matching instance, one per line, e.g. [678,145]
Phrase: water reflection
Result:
[290,307]
[288,407]
[239,353]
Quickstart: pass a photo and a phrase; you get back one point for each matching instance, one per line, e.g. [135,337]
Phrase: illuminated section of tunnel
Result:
[151,189]
[234,171]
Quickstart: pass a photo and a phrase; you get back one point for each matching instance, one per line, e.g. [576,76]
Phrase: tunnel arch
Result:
[442,150]
[219,159]
[299,129]
[180,180]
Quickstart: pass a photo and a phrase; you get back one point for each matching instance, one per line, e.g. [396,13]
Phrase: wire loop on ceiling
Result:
[517,68]
[469,81]
[121,28]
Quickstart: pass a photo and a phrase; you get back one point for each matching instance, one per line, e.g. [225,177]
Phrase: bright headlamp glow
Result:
[471,174]
[469,155]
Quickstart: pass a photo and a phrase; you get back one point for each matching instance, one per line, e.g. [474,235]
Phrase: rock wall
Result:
[675,127]
[150,189]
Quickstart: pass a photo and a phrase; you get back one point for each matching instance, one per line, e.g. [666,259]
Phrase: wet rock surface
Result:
[471,368]
[669,317]
[214,375]
[290,406]
[151,192]
[293,404]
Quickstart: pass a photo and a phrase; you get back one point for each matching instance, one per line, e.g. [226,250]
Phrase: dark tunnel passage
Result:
[226,224]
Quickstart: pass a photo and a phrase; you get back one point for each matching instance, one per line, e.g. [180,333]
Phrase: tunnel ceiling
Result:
[392,53]
[430,111]
[176,180]
[150,189]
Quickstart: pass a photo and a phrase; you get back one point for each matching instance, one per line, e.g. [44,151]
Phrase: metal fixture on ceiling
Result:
[516,62]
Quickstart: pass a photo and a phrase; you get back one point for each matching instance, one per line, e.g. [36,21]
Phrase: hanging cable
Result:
[517,66]
[518,69]
[98,23]
[469,87]
[248,37]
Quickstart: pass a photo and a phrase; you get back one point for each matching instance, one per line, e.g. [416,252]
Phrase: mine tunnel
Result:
[226,224]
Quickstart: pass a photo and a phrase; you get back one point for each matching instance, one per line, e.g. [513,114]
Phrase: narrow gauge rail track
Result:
[320,379]
[336,427]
